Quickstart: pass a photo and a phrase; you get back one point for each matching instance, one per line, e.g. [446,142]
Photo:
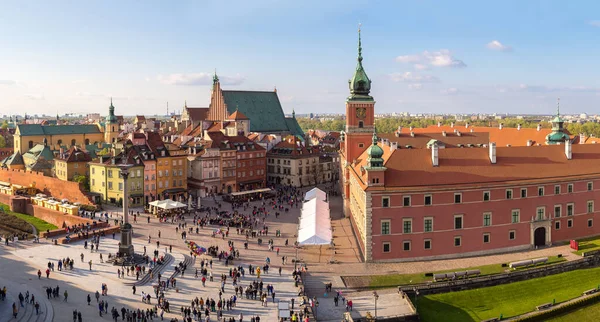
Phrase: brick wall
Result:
[55,217]
[47,185]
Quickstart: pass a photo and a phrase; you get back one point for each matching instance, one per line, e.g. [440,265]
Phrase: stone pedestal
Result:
[126,247]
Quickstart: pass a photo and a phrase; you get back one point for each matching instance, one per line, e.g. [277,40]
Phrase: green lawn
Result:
[393,280]
[39,224]
[588,244]
[586,313]
[508,299]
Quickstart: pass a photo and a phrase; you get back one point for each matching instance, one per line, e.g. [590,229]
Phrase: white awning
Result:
[167,204]
[315,223]
[315,193]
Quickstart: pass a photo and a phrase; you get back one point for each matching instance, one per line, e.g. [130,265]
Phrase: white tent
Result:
[315,193]
[315,223]
[167,204]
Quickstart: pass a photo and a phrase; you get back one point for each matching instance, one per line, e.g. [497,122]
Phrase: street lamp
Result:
[376,297]
[316,306]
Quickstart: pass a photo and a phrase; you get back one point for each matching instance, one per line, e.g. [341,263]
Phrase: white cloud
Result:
[7,82]
[88,94]
[35,97]
[410,77]
[79,81]
[197,79]
[286,99]
[441,58]
[595,23]
[498,46]
[449,91]
[421,67]
[415,87]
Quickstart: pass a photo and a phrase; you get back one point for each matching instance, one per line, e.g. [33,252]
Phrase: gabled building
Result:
[262,108]
[71,163]
[106,182]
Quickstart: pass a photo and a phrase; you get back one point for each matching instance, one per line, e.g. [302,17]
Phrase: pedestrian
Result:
[66,295]
[15,310]
[39,274]
[90,262]
[89,299]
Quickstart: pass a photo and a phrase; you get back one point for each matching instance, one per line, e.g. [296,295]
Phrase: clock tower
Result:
[360,111]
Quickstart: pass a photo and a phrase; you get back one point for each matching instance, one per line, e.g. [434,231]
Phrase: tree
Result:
[2,142]
[4,125]
[81,179]
[103,152]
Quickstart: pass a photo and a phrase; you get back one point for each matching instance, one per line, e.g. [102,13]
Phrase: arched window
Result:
[360,124]
[87,141]
[113,129]
[72,142]
[30,144]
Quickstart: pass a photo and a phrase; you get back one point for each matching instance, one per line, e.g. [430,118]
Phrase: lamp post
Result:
[316,307]
[376,297]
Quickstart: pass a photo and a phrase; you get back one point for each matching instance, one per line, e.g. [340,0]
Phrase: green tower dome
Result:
[374,155]
[111,113]
[558,135]
[360,84]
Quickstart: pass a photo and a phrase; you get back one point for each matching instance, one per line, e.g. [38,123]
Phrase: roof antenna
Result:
[558,107]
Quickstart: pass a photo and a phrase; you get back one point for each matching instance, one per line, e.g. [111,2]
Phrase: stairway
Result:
[26,313]
[168,258]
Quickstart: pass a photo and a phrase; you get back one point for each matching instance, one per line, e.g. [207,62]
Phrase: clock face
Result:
[361,112]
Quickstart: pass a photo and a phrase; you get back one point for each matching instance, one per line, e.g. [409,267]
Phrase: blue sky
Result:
[422,56]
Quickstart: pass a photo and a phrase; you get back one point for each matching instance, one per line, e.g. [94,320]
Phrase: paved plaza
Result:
[21,262]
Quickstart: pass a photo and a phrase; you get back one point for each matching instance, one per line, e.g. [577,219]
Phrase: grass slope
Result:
[587,313]
[39,224]
[588,244]
[508,299]
[393,280]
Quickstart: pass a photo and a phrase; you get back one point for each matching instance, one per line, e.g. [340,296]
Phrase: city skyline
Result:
[465,57]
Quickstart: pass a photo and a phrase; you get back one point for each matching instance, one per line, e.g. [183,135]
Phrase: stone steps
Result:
[158,269]
[26,313]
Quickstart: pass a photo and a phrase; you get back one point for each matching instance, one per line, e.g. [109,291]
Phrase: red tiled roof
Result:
[237,115]
[451,140]
[197,113]
[410,168]
[292,146]
[75,154]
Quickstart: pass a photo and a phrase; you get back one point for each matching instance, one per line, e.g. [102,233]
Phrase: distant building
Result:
[71,163]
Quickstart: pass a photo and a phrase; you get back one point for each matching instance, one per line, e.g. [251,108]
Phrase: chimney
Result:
[412,134]
[458,133]
[411,128]
[529,142]
[492,152]
[434,155]
[568,150]
[62,153]
[444,133]
[397,134]
[581,138]
[501,125]
[439,124]
[539,127]
[467,125]
[452,124]
[394,146]
[471,130]
[399,129]
[518,127]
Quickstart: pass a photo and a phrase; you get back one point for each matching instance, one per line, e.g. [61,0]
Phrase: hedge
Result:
[543,316]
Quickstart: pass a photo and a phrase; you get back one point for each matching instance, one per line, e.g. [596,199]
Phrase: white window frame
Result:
[557,225]
[559,211]
[537,210]
[543,191]
[587,206]
[590,186]
[424,220]
[525,190]
[389,247]
[518,211]
[572,205]
[507,192]
[514,232]
[388,202]
[570,223]
[570,188]
[404,242]
[409,201]
[559,189]
[460,195]
[489,195]
[489,236]
[404,220]
[590,222]
[430,244]
[389,222]
[485,214]
[459,241]
[462,222]
[430,200]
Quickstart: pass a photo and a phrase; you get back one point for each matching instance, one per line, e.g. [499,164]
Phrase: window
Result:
[407,225]
[458,222]
[457,197]
[385,227]
[109,173]
[360,124]
[457,241]
[541,213]
[93,170]
[406,246]
[486,238]
[427,200]
[557,225]
[557,190]
[406,201]
[486,196]
[120,186]
[386,247]
[93,182]
[385,202]
[427,244]
[509,193]
[557,211]
[515,216]
[110,185]
[540,191]
[569,223]
[590,186]
[428,225]
[570,209]
[487,219]
[570,188]
[523,192]
[590,206]
[590,222]
[511,235]
[361,145]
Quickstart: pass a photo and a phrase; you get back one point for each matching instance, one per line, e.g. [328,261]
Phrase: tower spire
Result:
[359,45]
